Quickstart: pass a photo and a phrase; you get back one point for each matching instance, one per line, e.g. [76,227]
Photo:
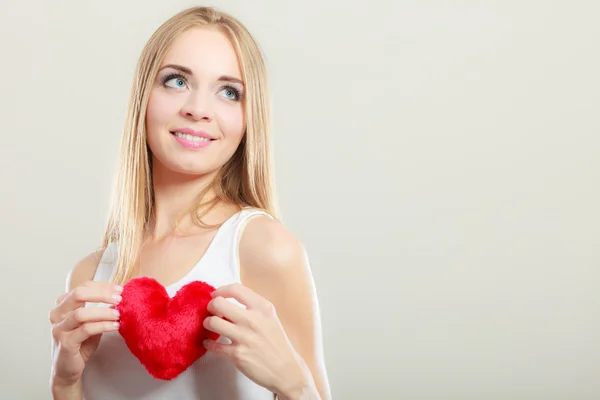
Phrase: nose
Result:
[198,106]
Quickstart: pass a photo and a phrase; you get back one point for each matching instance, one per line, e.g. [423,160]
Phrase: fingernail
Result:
[116,325]
[119,289]
[205,343]
[116,313]
[117,297]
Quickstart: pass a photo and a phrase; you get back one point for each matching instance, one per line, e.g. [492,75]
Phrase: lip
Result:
[193,132]
[193,144]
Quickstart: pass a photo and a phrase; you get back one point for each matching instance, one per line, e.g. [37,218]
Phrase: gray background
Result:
[440,160]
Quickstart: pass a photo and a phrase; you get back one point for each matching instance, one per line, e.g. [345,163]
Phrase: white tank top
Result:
[113,373]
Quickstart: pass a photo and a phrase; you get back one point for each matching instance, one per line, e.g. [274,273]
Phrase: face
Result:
[195,119]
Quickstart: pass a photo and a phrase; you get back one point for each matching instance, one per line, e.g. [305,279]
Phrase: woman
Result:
[194,200]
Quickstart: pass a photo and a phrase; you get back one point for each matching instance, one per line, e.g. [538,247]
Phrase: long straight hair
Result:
[245,180]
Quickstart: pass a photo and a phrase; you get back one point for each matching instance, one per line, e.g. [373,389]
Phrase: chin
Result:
[192,170]
[183,166]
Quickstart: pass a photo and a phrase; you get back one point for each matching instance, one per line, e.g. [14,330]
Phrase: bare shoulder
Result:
[83,270]
[267,245]
[274,263]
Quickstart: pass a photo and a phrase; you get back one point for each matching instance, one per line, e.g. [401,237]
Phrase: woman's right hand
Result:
[76,329]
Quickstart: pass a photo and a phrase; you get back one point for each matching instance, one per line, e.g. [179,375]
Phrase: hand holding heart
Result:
[260,348]
[76,329]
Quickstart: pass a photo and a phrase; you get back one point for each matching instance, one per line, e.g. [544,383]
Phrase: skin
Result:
[276,339]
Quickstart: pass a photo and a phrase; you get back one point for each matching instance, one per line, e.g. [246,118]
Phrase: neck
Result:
[174,196]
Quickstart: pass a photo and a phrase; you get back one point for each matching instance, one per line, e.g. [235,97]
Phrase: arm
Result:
[274,264]
[67,392]
[83,271]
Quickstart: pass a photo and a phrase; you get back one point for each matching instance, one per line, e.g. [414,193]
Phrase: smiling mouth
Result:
[191,138]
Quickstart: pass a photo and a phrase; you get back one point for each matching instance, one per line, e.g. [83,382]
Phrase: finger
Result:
[242,294]
[87,314]
[55,315]
[89,329]
[60,298]
[223,349]
[222,307]
[225,328]
[91,292]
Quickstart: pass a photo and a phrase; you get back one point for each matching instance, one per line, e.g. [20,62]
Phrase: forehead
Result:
[206,51]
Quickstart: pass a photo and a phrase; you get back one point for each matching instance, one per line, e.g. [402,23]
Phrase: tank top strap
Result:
[107,263]
[227,242]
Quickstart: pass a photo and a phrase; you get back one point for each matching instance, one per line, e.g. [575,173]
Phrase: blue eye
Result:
[231,93]
[178,80]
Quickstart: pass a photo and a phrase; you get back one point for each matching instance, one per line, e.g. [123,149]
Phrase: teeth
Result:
[191,138]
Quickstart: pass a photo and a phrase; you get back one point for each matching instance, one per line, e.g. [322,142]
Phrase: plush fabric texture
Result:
[165,333]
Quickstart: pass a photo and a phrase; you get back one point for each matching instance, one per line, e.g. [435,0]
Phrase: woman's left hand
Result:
[260,348]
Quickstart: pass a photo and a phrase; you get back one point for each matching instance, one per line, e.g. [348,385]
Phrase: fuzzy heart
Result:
[165,333]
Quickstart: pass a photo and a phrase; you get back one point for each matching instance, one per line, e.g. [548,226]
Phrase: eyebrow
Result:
[187,71]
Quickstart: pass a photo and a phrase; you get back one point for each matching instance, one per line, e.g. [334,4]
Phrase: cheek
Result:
[161,109]
[231,122]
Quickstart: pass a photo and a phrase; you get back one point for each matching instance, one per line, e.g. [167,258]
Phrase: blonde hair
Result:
[245,180]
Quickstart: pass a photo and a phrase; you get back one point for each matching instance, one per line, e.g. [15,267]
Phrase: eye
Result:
[231,93]
[175,81]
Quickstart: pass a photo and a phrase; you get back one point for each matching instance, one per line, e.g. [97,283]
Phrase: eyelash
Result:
[167,78]
[237,92]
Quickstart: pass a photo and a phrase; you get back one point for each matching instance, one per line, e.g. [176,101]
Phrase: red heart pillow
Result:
[165,333]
